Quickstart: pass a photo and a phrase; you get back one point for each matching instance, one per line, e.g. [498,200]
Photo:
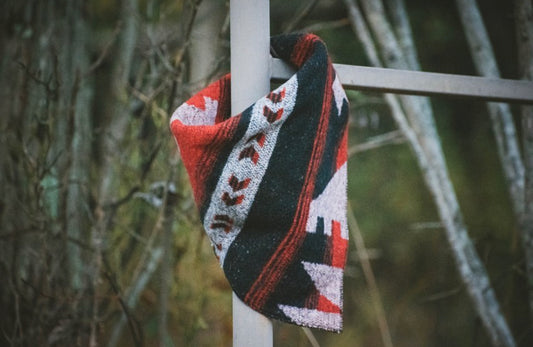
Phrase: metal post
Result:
[422,83]
[250,80]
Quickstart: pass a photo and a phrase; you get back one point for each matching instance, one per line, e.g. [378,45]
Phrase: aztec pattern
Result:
[270,185]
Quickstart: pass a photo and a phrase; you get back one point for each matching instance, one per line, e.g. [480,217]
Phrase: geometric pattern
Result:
[270,185]
[247,162]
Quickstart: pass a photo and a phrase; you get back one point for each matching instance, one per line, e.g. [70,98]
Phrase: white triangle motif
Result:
[331,205]
[192,115]
[327,279]
[313,318]
[338,94]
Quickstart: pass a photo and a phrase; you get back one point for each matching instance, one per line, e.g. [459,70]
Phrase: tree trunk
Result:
[402,28]
[205,48]
[524,33]
[81,97]
[500,114]
[117,112]
[117,108]
[424,141]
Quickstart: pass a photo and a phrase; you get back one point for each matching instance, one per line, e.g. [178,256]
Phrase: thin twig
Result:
[307,7]
[184,48]
[333,24]
[370,279]
[149,100]
[117,203]
[428,152]
[135,292]
[311,337]
[391,138]
[105,51]
[150,260]
[34,76]
[133,324]
[441,295]
[426,225]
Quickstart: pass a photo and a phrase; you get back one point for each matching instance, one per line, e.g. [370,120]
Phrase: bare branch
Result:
[328,25]
[402,28]
[133,324]
[105,50]
[441,295]
[391,53]
[424,142]
[195,4]
[426,225]
[364,258]
[135,292]
[390,138]
[311,337]
[363,33]
[306,8]
[500,114]
[151,258]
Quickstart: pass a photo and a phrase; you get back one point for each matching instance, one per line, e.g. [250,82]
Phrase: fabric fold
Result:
[270,186]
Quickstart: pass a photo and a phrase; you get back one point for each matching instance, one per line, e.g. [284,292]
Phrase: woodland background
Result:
[100,242]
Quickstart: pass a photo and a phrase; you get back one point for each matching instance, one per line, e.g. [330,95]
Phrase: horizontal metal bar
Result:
[422,83]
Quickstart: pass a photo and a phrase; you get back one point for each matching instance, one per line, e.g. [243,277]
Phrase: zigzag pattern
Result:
[270,115]
[249,152]
[276,97]
[236,185]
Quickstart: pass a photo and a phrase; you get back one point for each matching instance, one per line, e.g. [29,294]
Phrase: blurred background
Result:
[100,241]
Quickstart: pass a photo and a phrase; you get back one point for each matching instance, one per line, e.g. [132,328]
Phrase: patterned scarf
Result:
[270,186]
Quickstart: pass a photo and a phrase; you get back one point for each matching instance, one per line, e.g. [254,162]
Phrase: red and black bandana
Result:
[270,184]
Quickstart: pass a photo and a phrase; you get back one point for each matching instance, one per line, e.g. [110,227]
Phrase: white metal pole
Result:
[250,80]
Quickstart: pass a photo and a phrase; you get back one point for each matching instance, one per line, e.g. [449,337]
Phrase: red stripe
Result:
[199,147]
[302,49]
[339,246]
[342,152]
[210,155]
[284,255]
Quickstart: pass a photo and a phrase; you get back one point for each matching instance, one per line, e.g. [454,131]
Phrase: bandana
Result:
[270,186]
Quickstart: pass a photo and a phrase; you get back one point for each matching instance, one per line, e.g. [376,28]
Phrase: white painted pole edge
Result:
[250,80]
[250,52]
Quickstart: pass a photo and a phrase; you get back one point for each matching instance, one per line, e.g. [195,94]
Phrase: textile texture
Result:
[270,186]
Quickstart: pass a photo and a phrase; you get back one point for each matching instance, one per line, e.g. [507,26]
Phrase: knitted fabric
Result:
[270,185]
